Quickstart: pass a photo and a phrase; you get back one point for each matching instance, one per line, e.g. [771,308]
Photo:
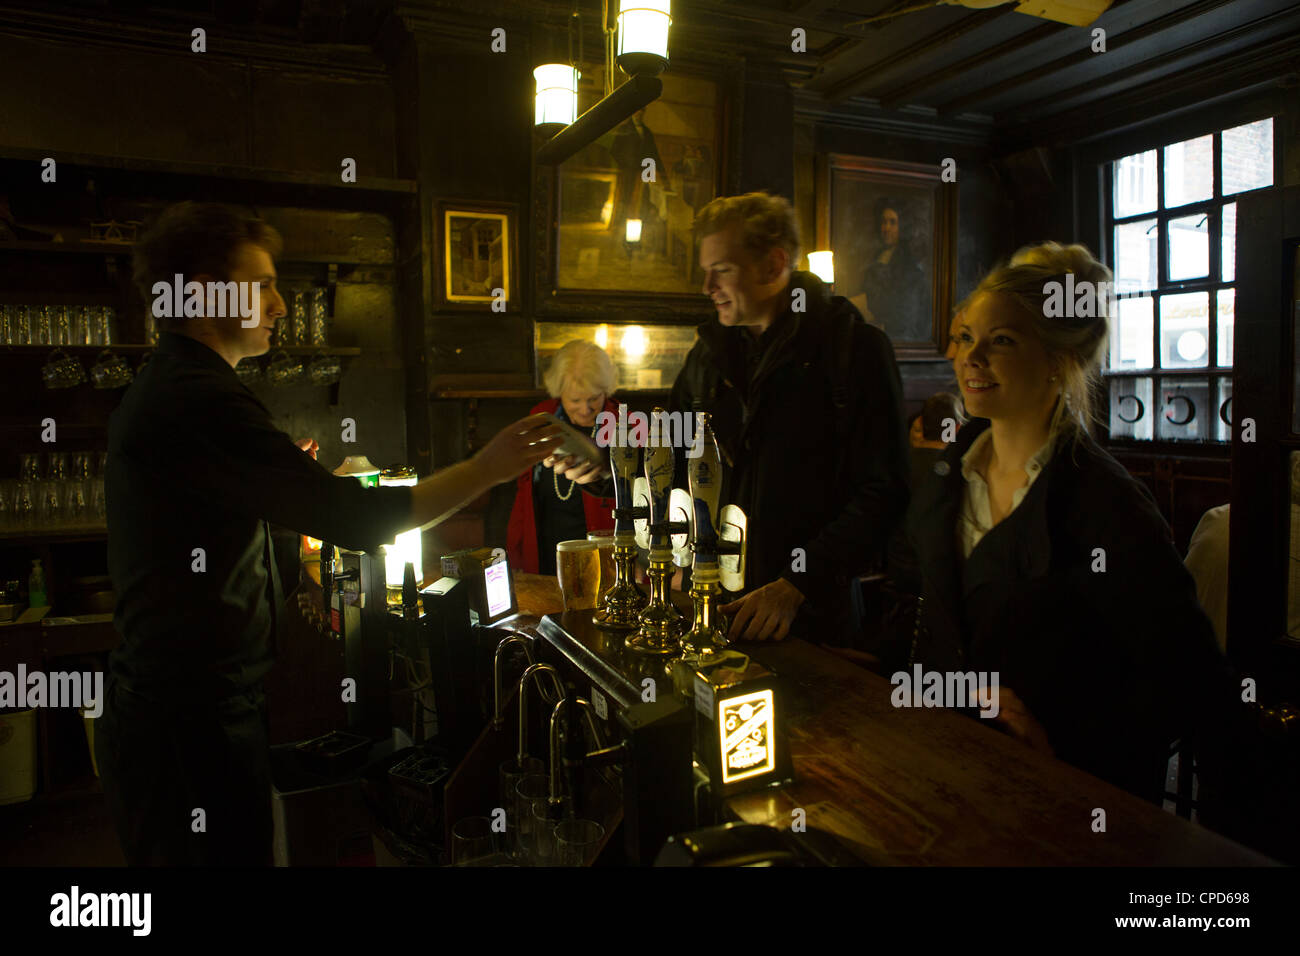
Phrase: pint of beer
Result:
[577,565]
[605,542]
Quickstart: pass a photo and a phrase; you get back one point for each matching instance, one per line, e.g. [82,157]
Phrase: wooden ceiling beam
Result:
[1149,29]
[1271,62]
[861,79]
[1026,112]
[902,94]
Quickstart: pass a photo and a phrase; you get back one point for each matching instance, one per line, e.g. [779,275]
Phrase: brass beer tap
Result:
[624,600]
[660,621]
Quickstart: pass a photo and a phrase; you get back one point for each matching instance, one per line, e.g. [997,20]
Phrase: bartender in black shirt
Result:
[196,470]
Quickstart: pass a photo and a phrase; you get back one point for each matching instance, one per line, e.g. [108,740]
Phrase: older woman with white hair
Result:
[551,507]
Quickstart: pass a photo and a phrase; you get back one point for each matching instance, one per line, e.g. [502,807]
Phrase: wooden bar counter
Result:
[926,786]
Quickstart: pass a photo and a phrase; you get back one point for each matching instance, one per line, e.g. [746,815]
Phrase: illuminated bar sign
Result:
[747,735]
[739,726]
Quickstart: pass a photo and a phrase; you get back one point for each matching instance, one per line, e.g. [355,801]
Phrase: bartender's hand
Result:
[308,445]
[1014,717]
[516,448]
[577,470]
[764,614]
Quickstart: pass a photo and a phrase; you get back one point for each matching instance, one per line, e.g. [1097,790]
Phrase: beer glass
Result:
[577,565]
[511,773]
[530,793]
[472,839]
[576,842]
[605,544]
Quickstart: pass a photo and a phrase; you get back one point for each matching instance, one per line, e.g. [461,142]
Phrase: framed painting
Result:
[615,221]
[477,260]
[893,229]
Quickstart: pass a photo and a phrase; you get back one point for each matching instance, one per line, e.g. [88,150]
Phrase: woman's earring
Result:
[1052,379]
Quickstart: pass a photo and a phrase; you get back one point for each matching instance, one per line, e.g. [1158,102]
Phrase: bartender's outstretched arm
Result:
[515,448]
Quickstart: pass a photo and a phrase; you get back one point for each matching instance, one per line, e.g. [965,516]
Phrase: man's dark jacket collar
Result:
[192,350]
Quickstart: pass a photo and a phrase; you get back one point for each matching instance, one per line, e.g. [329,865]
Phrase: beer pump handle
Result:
[704,472]
[623,461]
[659,478]
[326,574]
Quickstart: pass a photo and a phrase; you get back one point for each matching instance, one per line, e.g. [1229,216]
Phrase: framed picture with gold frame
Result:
[613,224]
[477,254]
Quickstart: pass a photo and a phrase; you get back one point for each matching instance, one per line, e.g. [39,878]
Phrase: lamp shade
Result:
[821,265]
[557,94]
[634,230]
[643,35]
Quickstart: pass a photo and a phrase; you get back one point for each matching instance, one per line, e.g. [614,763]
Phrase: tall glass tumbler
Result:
[24,506]
[318,319]
[29,468]
[24,329]
[511,772]
[95,318]
[79,322]
[7,323]
[605,545]
[74,502]
[98,502]
[62,326]
[44,332]
[295,323]
[532,790]
[51,510]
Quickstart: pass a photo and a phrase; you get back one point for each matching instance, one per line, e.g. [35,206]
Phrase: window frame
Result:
[1134,131]
[1212,283]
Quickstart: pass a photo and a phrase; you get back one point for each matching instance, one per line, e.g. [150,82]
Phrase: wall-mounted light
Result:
[634,343]
[643,36]
[634,230]
[557,94]
[821,264]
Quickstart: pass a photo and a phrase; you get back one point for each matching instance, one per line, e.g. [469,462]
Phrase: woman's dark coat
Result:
[1079,600]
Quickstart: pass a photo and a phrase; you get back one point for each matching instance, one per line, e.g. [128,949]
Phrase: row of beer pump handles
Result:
[674,526]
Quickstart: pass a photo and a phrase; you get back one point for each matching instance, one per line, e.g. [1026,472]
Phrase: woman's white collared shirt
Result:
[975,519]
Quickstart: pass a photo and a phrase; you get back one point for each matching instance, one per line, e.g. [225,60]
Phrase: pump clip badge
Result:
[745,726]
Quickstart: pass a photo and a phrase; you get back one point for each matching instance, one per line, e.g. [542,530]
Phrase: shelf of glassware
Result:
[341,351]
[62,534]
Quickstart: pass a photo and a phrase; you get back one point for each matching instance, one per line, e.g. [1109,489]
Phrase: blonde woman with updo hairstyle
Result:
[1040,558]
[550,508]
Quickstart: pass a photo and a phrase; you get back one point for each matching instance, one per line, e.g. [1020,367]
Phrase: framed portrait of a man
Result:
[892,228]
